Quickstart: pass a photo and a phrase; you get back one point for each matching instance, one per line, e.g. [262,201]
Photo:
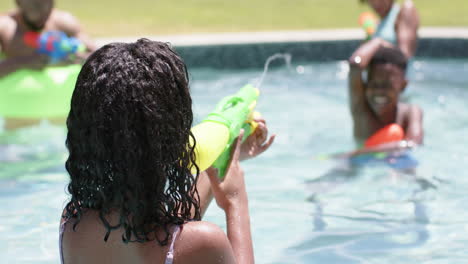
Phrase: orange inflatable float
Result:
[387,134]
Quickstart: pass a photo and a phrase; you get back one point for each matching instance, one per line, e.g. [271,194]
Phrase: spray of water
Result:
[287,59]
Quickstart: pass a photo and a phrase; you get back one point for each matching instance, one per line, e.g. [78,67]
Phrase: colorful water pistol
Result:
[216,134]
[55,44]
[369,23]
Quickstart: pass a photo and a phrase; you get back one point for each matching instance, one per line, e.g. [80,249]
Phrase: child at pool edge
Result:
[374,103]
[130,163]
[399,24]
[34,15]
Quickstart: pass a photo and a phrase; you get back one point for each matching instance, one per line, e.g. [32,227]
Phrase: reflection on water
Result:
[33,150]
[383,234]
[303,210]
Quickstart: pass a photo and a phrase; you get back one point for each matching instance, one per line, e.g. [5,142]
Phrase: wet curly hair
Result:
[390,55]
[129,141]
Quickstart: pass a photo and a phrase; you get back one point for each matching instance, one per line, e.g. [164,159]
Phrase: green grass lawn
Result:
[152,17]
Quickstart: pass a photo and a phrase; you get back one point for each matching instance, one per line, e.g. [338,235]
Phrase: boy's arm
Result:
[386,147]
[71,26]
[3,26]
[355,83]
[9,65]
[6,66]
[407,29]
[358,62]
[414,135]
[415,130]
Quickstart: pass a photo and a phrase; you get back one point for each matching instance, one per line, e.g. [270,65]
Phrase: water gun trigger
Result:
[250,124]
[251,120]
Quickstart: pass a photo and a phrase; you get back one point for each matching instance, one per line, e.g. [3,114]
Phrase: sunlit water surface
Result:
[303,209]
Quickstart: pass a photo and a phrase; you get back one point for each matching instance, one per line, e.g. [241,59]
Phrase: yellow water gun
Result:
[216,133]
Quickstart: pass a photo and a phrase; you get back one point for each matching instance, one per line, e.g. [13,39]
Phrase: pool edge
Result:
[251,49]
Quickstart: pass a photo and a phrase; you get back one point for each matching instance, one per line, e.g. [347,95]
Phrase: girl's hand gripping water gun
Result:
[216,134]
[55,44]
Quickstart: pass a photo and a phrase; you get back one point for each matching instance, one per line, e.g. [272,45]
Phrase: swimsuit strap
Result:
[170,253]
[386,28]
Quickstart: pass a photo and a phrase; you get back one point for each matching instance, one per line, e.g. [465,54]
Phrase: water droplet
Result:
[441,99]
[300,69]
[417,65]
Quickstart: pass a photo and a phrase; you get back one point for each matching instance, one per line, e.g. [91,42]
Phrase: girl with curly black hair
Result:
[133,197]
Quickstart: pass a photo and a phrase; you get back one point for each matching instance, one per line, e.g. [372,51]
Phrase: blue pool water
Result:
[303,209]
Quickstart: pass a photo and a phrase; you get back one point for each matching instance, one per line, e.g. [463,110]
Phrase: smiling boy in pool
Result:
[374,103]
[35,16]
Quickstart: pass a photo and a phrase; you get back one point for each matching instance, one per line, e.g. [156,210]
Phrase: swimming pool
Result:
[303,209]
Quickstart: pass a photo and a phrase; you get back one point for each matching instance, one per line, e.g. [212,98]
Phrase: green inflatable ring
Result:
[38,94]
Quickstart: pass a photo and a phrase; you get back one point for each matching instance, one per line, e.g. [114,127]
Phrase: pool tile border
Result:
[250,50]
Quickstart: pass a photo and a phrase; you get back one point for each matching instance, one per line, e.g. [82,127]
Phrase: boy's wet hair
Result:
[128,138]
[392,55]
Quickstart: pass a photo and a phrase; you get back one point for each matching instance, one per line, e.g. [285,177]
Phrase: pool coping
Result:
[251,49]
[209,39]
